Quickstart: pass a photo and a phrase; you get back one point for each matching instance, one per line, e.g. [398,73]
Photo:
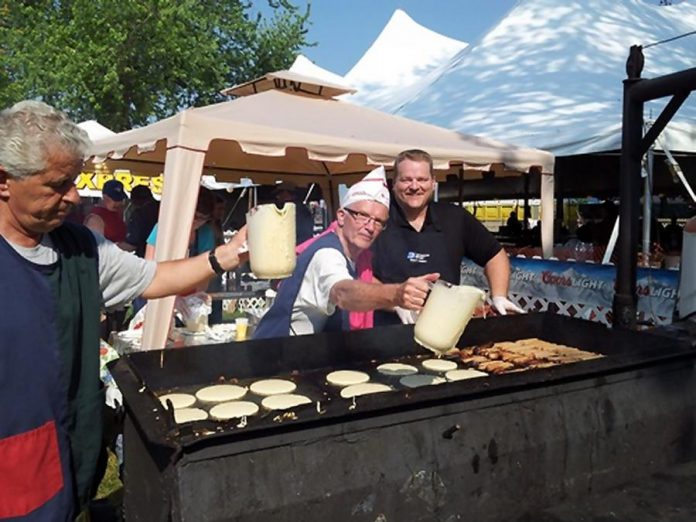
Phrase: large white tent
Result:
[401,57]
[284,130]
[549,75]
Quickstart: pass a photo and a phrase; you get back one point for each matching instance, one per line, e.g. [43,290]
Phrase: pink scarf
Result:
[363,266]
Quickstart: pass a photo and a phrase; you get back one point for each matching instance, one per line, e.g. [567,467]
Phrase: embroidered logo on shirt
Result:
[416,257]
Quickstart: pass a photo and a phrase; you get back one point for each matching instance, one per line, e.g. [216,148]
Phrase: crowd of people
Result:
[589,240]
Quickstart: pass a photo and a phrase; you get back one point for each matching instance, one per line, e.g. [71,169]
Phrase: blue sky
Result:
[344,29]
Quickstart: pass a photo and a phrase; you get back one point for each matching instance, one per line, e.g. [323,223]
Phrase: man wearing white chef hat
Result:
[323,286]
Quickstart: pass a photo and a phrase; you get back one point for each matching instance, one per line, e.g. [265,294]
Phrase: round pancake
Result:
[418,380]
[347,377]
[284,401]
[439,365]
[396,369]
[233,410]
[467,373]
[189,415]
[178,400]
[221,393]
[268,387]
[365,388]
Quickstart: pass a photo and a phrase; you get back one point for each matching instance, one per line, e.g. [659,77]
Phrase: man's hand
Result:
[234,253]
[503,305]
[412,292]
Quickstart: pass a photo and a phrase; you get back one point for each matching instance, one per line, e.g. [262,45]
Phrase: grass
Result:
[106,506]
[110,483]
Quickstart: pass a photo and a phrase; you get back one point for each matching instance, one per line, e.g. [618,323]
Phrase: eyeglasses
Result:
[363,219]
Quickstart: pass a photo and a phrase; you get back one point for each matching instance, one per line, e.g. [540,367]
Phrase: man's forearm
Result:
[181,275]
[497,271]
[174,277]
[359,296]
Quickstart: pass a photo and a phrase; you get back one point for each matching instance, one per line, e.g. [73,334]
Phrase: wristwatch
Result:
[215,264]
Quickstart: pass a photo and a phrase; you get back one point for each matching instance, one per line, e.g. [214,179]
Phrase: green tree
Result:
[127,62]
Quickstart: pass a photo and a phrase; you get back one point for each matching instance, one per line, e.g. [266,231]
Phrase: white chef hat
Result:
[372,187]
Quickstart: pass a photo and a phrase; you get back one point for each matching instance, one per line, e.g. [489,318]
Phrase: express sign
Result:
[89,184]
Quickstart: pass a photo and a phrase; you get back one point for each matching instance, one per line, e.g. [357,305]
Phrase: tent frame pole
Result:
[636,92]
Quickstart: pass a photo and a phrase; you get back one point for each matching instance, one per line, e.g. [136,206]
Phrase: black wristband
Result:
[214,263]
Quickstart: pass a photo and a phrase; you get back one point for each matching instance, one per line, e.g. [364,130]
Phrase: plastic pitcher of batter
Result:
[446,313]
[271,240]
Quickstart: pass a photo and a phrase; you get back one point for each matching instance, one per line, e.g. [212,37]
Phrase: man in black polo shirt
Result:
[424,236]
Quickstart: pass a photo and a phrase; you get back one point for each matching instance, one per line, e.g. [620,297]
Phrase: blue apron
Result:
[276,322]
[41,384]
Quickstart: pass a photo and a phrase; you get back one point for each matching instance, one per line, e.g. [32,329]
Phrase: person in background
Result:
[201,235]
[56,276]
[216,283]
[106,218]
[286,192]
[425,237]
[323,287]
[218,217]
[514,227]
[672,237]
[142,217]
[602,230]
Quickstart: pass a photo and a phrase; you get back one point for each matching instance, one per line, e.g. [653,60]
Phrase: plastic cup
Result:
[242,324]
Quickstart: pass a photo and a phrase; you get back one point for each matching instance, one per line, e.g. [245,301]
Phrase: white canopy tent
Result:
[401,57]
[284,131]
[549,75]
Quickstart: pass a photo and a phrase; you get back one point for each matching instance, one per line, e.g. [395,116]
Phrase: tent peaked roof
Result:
[95,130]
[291,81]
[303,65]
[313,136]
[549,75]
[400,56]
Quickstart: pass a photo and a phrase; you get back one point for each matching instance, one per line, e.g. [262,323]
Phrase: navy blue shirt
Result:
[449,234]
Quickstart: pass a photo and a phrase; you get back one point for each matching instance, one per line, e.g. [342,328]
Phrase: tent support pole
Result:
[460,195]
[332,200]
[527,210]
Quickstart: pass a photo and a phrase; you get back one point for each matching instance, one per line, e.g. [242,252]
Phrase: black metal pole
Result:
[460,188]
[527,210]
[625,298]
[668,85]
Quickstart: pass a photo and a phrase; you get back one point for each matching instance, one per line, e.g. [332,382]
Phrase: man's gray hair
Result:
[29,129]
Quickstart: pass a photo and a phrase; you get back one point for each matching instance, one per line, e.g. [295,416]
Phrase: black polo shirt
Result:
[449,234]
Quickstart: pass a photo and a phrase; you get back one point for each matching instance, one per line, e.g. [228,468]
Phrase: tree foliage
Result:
[127,62]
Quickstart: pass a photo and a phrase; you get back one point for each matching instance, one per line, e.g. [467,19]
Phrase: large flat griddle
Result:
[306,360]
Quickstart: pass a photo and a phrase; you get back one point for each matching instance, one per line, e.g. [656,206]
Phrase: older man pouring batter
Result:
[323,287]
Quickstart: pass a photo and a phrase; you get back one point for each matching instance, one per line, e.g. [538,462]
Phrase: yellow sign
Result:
[94,181]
